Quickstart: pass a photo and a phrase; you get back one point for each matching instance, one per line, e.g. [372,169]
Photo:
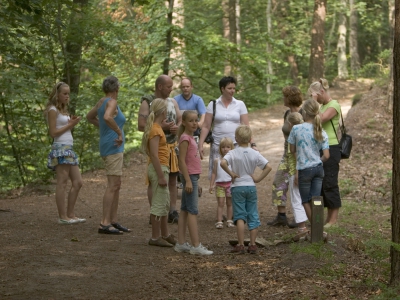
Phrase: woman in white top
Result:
[229,114]
[62,158]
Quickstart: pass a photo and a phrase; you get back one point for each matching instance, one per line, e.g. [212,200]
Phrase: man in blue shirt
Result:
[189,101]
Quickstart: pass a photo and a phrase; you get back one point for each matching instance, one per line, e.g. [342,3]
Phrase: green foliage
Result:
[318,250]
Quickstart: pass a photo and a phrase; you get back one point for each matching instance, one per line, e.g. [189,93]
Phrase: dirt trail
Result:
[41,259]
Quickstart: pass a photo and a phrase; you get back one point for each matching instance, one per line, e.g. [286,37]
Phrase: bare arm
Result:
[111,106]
[52,120]
[92,116]
[224,166]
[153,146]
[328,114]
[183,147]
[204,131]
[263,174]
[325,155]
[174,127]
[144,111]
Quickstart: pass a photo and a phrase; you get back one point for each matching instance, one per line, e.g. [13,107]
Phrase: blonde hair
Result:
[157,107]
[317,86]
[311,108]
[225,142]
[295,118]
[185,115]
[243,132]
[53,99]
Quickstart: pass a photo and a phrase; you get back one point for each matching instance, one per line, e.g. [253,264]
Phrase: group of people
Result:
[309,165]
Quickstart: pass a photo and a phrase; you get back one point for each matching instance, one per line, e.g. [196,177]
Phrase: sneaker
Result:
[238,249]
[182,248]
[252,249]
[160,242]
[80,220]
[173,217]
[278,221]
[200,250]
[68,222]
[170,239]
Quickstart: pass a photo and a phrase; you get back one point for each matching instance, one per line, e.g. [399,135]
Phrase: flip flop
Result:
[106,229]
[120,227]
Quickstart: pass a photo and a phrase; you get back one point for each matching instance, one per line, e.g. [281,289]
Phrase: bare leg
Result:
[164,226]
[173,191]
[182,227]
[155,226]
[193,229]
[307,208]
[240,231]
[149,194]
[281,209]
[332,215]
[253,236]
[62,179]
[229,210]
[76,180]
[220,208]
[112,191]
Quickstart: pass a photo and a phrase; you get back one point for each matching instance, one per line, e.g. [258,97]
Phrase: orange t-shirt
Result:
[163,150]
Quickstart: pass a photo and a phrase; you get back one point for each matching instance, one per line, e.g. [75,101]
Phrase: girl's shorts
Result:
[223,189]
[61,154]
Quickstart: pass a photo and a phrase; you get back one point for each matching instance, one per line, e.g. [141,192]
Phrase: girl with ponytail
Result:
[306,140]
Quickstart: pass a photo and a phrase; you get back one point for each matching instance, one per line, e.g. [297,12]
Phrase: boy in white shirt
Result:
[243,161]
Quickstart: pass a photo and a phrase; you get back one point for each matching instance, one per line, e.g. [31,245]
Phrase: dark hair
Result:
[225,81]
[293,95]
[110,84]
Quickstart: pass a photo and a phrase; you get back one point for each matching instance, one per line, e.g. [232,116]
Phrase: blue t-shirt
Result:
[307,148]
[194,103]
[107,135]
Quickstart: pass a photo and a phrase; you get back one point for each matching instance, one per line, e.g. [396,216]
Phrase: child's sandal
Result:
[219,225]
[229,223]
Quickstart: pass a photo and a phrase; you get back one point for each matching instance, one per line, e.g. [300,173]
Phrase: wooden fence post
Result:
[317,219]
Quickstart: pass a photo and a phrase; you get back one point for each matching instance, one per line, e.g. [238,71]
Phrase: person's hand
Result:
[74,120]
[254,179]
[173,128]
[234,176]
[188,187]
[254,148]
[211,189]
[201,151]
[314,96]
[118,141]
[296,179]
[166,126]
[162,182]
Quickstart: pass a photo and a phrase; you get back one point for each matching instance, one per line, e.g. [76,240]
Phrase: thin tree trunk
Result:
[395,220]
[391,32]
[177,53]
[354,58]
[168,40]
[294,70]
[229,29]
[341,45]
[269,49]
[316,68]
[238,38]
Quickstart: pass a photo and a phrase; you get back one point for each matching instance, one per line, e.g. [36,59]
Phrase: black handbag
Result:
[345,142]
[209,138]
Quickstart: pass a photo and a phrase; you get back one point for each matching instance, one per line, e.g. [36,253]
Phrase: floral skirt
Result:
[61,154]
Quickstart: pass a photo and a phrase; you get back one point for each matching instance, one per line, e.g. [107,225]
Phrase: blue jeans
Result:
[310,182]
[189,201]
[244,203]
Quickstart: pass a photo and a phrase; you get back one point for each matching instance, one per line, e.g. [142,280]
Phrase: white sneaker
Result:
[185,247]
[200,250]
[80,220]
[67,222]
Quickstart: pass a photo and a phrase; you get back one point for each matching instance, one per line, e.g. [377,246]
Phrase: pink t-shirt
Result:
[192,158]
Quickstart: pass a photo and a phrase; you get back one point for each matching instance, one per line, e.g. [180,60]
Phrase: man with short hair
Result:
[163,87]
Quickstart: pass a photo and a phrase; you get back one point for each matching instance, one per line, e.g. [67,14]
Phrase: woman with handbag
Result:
[330,113]
[223,118]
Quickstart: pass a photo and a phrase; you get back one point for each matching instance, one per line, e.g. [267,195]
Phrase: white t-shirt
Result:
[227,119]
[222,176]
[61,121]
[243,162]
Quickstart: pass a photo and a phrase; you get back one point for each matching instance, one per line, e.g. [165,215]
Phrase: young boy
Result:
[243,161]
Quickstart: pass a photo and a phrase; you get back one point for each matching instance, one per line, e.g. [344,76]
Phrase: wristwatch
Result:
[253,145]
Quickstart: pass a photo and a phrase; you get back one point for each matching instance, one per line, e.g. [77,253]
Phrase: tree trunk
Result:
[395,248]
[238,38]
[168,40]
[391,31]
[269,49]
[316,68]
[341,45]
[229,28]
[354,58]
[73,50]
[294,70]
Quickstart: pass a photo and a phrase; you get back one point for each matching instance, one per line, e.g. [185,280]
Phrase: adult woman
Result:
[62,157]
[330,112]
[108,117]
[229,114]
[292,98]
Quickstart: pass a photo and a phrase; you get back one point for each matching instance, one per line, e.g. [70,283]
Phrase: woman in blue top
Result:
[108,117]
[306,140]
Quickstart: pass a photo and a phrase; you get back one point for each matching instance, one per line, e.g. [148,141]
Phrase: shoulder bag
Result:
[209,138]
[346,141]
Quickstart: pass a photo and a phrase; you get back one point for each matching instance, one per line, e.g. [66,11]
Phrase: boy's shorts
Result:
[160,200]
[244,203]
[189,201]
[223,189]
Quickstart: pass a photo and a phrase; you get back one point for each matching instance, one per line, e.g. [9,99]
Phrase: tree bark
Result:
[269,49]
[341,45]
[73,51]
[354,57]
[391,31]
[229,28]
[168,40]
[395,220]
[316,68]
[294,70]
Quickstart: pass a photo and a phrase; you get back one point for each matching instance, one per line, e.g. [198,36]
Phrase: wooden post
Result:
[317,219]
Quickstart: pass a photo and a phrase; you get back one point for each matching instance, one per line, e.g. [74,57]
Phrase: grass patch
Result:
[346,186]
[318,250]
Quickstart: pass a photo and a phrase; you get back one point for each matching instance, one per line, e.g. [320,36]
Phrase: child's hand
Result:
[211,189]
[188,187]
[234,176]
[162,182]
[254,179]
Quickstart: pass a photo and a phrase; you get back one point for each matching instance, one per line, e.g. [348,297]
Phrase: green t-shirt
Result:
[327,126]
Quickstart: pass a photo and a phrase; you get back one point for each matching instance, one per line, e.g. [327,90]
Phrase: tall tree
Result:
[341,45]
[269,30]
[395,248]
[229,28]
[168,40]
[353,43]
[316,69]
[390,86]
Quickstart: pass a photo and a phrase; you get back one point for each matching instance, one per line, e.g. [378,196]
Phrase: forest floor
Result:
[40,259]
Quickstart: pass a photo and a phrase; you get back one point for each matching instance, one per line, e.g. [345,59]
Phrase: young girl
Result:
[154,144]
[62,157]
[190,168]
[300,216]
[306,140]
[221,182]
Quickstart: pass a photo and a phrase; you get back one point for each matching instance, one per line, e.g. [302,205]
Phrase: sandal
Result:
[106,229]
[120,227]
[301,235]
[219,225]
[229,223]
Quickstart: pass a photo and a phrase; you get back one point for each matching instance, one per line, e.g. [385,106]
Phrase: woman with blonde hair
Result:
[330,114]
